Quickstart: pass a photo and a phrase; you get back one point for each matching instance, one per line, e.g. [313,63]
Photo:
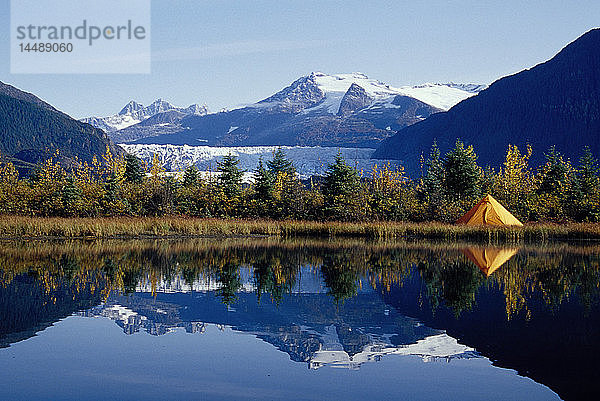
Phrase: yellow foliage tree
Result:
[514,184]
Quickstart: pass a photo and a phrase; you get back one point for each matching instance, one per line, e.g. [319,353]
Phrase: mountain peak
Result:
[162,103]
[133,113]
[301,94]
[320,92]
[131,108]
[196,109]
[355,98]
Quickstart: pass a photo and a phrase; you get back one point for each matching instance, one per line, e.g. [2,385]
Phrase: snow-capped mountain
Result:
[319,91]
[134,113]
[343,110]
[307,326]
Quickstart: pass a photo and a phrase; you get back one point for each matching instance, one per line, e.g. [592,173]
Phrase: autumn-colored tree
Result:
[514,185]
[391,194]
[47,187]
[288,197]
[10,188]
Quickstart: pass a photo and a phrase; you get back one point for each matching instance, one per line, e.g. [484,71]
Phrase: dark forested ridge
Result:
[554,103]
[32,130]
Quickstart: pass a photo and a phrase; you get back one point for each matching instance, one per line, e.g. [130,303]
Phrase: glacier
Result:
[308,160]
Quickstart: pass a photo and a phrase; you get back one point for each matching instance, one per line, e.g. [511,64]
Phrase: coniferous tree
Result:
[340,180]
[587,173]
[112,202]
[462,178]
[343,194]
[71,195]
[230,178]
[554,174]
[134,172]
[433,181]
[191,177]
[110,189]
[280,164]
[264,183]
[553,187]
[584,195]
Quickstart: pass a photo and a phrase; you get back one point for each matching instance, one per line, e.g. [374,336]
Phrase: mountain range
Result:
[345,110]
[553,103]
[32,130]
[144,120]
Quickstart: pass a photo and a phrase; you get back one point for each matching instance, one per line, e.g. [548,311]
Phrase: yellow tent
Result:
[489,211]
[489,259]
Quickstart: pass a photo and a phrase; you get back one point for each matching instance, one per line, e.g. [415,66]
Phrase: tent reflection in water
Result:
[489,259]
[489,212]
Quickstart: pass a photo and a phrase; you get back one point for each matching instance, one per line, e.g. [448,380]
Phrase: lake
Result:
[266,319]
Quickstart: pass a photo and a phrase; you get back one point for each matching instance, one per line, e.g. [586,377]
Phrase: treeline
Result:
[449,186]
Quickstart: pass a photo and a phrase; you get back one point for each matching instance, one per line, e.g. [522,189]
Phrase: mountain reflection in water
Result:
[338,304]
[305,324]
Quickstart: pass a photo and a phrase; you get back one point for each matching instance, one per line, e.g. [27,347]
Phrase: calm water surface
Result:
[262,319]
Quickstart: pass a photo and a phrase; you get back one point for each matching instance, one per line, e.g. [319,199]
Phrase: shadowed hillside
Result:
[554,103]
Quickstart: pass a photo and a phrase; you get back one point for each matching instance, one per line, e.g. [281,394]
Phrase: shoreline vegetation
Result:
[120,197]
[19,227]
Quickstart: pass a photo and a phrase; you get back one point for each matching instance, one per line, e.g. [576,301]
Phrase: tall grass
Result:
[140,227]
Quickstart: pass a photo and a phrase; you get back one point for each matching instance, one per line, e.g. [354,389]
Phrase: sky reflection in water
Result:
[264,319]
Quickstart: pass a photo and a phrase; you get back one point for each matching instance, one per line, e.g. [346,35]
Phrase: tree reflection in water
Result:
[449,273]
[456,287]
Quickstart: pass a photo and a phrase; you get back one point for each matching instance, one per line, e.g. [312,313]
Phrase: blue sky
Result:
[226,53]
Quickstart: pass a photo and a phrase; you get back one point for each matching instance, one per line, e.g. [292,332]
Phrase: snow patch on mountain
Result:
[336,86]
[119,121]
[440,95]
[440,347]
